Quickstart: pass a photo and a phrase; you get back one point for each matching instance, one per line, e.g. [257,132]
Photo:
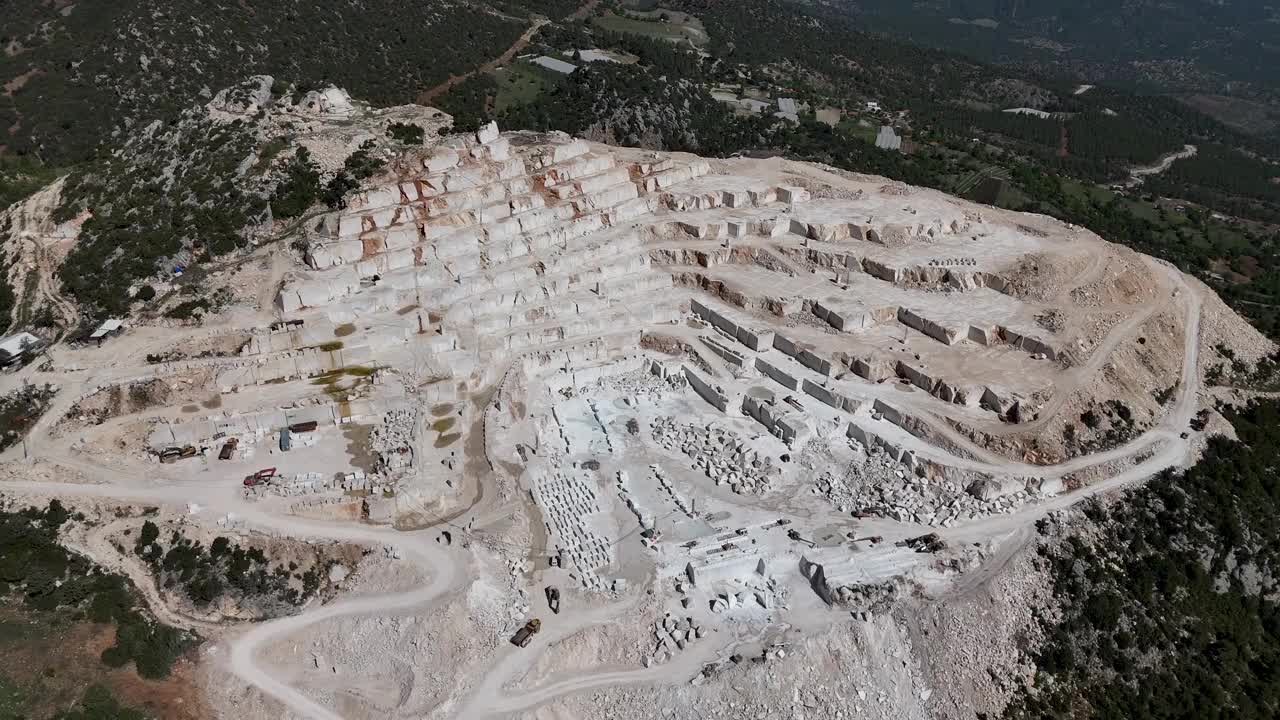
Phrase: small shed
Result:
[109,328]
[17,346]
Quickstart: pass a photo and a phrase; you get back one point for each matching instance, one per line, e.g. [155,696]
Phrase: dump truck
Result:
[228,449]
[524,635]
[303,427]
[259,477]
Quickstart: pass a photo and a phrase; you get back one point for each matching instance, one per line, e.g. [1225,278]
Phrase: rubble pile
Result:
[671,636]
[766,597]
[720,454]
[866,600]
[882,486]
[392,441]
[513,613]
[641,383]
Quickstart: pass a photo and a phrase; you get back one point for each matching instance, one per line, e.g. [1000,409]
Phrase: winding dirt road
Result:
[1138,174]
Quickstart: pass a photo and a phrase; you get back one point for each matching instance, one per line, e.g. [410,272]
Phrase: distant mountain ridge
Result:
[1174,45]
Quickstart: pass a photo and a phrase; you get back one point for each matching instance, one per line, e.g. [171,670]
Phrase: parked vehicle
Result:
[303,427]
[285,441]
[553,598]
[524,635]
[259,477]
[228,449]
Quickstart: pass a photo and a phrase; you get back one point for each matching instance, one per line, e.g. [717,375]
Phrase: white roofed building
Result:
[887,139]
[14,347]
[554,65]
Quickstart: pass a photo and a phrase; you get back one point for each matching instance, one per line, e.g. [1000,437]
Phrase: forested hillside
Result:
[1172,45]
[1169,596]
[79,75]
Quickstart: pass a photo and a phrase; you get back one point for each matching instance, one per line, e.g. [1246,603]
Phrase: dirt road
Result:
[427,96]
[1138,174]
[442,568]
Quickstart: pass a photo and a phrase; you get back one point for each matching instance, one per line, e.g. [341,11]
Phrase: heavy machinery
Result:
[795,535]
[553,598]
[174,454]
[259,477]
[930,543]
[303,427]
[228,448]
[524,635]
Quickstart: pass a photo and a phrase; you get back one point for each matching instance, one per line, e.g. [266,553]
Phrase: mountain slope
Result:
[78,75]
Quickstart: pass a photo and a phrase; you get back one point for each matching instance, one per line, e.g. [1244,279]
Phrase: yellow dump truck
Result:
[524,635]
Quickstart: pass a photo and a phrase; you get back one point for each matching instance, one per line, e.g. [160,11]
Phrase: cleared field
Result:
[520,83]
[680,28]
[866,133]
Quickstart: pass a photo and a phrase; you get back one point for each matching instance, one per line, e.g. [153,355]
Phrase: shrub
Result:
[407,133]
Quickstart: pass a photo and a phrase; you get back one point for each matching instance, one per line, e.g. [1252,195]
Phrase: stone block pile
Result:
[568,501]
[671,635]
[391,441]
[720,453]
[727,601]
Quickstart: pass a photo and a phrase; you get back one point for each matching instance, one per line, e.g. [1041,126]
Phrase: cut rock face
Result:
[524,243]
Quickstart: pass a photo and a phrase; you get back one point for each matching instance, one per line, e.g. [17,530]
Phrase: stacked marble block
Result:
[568,500]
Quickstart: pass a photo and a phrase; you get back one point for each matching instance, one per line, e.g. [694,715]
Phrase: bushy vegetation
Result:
[21,176]
[360,165]
[299,189]
[99,704]
[207,574]
[1169,595]
[169,197]
[407,133]
[105,70]
[48,578]
[7,296]
[20,409]
[95,703]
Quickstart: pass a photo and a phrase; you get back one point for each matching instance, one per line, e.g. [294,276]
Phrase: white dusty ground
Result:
[720,394]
